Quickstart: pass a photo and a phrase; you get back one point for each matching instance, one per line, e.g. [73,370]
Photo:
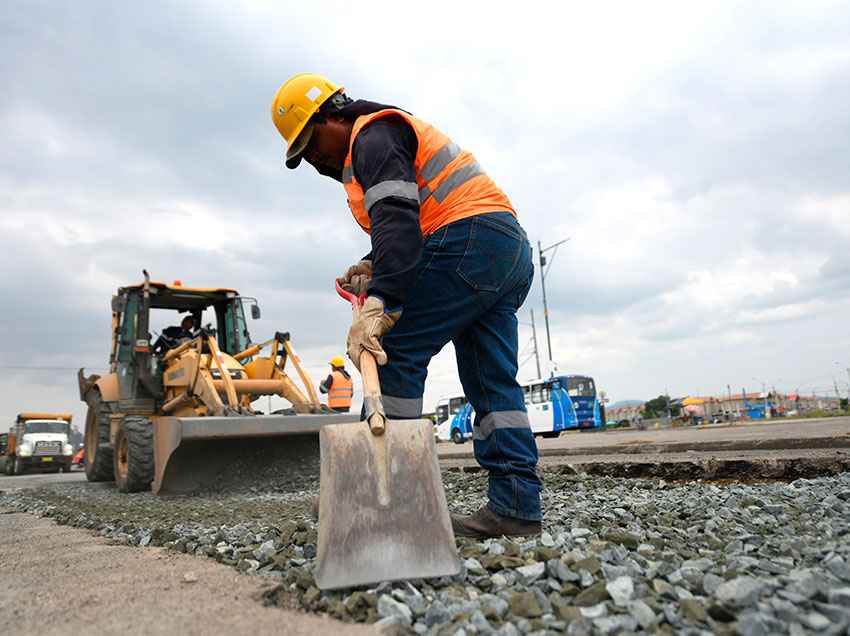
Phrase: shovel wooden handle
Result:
[372,391]
[377,420]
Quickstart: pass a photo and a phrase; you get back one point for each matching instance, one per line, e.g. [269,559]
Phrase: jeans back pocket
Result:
[491,254]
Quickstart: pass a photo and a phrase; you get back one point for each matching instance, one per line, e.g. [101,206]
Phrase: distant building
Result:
[756,405]
[628,412]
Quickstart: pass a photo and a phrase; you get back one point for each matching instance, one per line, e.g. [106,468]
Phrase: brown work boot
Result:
[485,523]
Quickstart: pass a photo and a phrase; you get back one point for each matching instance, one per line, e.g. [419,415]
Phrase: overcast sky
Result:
[696,154]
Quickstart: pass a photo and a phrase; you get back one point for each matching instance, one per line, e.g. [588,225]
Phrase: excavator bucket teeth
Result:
[280,452]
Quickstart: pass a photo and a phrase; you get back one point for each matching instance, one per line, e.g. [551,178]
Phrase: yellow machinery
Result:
[176,414]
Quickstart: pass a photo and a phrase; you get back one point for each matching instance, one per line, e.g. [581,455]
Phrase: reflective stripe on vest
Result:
[450,185]
[341,391]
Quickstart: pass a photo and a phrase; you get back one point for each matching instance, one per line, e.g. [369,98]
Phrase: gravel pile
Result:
[616,555]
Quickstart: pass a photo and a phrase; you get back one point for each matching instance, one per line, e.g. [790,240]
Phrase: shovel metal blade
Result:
[382,508]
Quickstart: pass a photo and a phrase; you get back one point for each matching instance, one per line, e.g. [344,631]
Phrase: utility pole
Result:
[729,412]
[534,338]
[764,394]
[543,269]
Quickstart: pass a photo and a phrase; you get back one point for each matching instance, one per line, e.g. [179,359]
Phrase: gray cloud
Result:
[697,162]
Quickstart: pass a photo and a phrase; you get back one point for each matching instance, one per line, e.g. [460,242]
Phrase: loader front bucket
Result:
[276,452]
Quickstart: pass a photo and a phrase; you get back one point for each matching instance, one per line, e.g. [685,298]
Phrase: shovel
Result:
[382,508]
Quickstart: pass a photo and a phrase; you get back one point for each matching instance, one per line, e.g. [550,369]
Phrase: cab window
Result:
[456,405]
[540,393]
[442,413]
[127,330]
[236,336]
[47,427]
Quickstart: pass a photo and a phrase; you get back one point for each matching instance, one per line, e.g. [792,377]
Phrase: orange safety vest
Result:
[450,185]
[341,391]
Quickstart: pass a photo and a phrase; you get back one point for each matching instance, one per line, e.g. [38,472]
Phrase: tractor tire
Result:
[457,436]
[98,453]
[20,469]
[134,460]
[10,466]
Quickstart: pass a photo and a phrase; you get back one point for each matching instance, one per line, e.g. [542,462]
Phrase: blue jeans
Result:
[473,277]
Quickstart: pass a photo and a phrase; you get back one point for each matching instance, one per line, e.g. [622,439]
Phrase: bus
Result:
[557,404]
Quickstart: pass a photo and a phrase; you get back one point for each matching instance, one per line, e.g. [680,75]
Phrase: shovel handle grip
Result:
[372,389]
[368,371]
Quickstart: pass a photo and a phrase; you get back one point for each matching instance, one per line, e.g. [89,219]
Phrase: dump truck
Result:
[177,415]
[38,441]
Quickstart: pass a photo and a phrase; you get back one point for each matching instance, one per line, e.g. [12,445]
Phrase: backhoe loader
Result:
[176,415]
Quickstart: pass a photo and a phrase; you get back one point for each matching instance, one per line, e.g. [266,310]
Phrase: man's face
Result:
[328,147]
[188,323]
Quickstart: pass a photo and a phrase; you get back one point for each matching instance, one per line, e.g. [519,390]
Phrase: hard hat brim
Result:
[294,152]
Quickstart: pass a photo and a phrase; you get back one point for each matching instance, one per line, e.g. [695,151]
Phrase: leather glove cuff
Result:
[370,324]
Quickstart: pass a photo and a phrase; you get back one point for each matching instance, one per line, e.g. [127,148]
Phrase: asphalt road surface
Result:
[773,435]
[776,439]
[35,480]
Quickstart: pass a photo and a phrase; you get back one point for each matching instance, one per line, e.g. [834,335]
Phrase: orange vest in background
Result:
[341,391]
[450,185]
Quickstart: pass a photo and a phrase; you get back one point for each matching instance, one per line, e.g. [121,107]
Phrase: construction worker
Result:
[449,263]
[338,386]
[174,335]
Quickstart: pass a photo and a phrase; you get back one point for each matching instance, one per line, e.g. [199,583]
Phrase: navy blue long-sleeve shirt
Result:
[385,151]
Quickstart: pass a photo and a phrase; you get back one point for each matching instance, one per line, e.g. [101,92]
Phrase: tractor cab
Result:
[137,310]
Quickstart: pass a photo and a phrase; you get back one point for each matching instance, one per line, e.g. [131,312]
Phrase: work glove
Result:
[356,278]
[370,324]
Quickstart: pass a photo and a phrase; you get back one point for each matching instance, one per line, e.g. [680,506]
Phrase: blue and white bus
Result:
[557,404]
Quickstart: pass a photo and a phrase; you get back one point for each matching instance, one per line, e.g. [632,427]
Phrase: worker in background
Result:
[175,335]
[449,263]
[338,386]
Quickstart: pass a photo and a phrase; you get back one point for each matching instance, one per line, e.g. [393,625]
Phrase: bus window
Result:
[537,394]
[442,413]
[456,404]
[526,394]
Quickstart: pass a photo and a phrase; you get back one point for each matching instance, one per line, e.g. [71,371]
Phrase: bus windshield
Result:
[581,387]
[47,427]
[456,405]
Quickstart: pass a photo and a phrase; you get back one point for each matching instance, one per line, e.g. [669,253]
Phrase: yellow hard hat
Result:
[337,361]
[295,102]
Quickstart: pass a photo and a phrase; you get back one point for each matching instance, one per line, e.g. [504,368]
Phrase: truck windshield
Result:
[47,427]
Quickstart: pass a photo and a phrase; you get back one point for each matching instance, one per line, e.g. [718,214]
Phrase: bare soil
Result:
[61,580]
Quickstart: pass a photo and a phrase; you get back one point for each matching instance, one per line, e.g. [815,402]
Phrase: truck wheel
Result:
[10,466]
[20,469]
[134,462]
[457,436]
[98,453]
